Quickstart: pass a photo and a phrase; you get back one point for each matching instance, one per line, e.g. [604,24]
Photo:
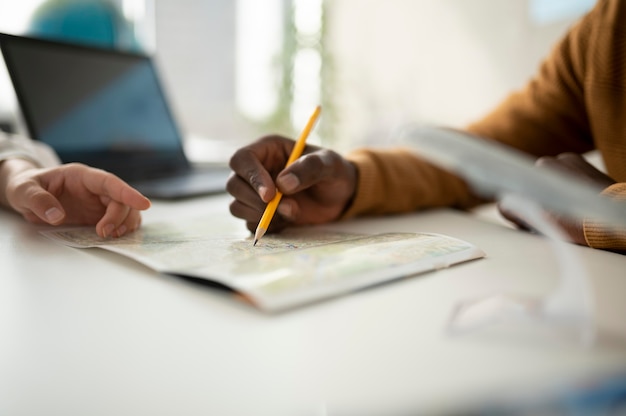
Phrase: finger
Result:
[308,171]
[122,192]
[130,224]
[278,224]
[573,164]
[252,217]
[32,218]
[105,183]
[564,162]
[578,164]
[114,216]
[247,163]
[245,212]
[575,160]
[244,193]
[509,214]
[572,159]
[275,226]
[570,163]
[252,225]
[40,204]
[289,209]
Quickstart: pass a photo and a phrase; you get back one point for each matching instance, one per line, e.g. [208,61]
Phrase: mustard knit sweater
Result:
[575,103]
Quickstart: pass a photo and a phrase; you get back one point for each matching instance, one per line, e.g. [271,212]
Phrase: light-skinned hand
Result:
[71,194]
[316,188]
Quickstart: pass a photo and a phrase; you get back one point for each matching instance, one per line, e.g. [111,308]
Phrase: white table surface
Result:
[88,332]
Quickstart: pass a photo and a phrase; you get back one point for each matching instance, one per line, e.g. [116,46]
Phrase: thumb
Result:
[45,206]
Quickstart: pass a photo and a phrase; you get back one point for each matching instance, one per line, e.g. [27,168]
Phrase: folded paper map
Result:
[298,266]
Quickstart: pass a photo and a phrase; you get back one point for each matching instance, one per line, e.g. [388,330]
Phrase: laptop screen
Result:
[96,106]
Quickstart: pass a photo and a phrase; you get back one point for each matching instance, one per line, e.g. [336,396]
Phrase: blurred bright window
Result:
[548,11]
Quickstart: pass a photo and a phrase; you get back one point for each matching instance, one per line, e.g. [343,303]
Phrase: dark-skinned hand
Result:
[316,188]
[580,170]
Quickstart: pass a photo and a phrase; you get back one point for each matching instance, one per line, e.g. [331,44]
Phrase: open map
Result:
[297,266]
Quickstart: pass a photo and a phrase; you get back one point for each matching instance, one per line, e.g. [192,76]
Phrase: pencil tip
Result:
[255,241]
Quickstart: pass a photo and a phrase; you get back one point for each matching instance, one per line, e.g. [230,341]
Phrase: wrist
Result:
[9,168]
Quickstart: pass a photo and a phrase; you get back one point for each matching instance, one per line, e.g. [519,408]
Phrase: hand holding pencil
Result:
[314,188]
[298,148]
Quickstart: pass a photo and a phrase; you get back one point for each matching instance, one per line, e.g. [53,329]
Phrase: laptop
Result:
[107,109]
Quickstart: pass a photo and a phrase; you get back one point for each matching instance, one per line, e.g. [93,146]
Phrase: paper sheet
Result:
[297,266]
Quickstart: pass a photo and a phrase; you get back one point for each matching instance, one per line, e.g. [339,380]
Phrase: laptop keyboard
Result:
[193,183]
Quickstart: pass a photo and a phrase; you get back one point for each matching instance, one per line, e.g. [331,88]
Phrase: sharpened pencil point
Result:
[296,152]
[255,241]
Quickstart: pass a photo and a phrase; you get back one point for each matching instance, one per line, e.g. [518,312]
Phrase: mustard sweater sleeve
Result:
[574,103]
[549,115]
[396,181]
[601,235]
[545,118]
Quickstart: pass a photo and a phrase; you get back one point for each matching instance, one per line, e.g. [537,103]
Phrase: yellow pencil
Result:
[298,148]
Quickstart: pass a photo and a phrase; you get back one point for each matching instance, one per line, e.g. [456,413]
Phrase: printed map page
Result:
[186,246]
[297,266]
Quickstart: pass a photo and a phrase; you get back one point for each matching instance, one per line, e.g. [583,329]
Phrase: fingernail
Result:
[263,192]
[53,215]
[108,229]
[121,230]
[289,182]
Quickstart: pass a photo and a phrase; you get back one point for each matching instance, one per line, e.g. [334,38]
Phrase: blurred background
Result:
[238,69]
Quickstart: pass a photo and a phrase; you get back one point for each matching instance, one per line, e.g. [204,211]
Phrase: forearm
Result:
[549,116]
[397,180]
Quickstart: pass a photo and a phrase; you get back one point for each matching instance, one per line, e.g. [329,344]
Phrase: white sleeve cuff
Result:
[19,147]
